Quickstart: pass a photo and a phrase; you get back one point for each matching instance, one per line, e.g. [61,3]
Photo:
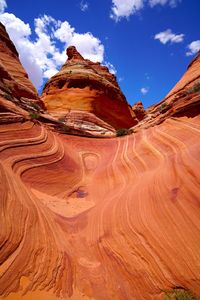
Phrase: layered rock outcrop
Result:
[99,219]
[88,218]
[17,93]
[139,110]
[187,81]
[83,86]
[182,100]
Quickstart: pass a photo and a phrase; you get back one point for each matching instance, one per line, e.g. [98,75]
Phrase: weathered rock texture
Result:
[86,218]
[17,93]
[191,76]
[139,110]
[85,86]
[100,219]
[182,100]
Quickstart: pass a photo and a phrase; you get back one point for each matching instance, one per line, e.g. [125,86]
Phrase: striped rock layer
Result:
[88,218]
[17,93]
[86,87]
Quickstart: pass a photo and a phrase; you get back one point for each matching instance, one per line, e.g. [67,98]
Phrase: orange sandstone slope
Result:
[17,93]
[191,76]
[86,218]
[182,100]
[99,219]
[86,87]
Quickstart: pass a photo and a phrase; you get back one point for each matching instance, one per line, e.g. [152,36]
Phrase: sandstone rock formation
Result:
[99,219]
[88,218]
[182,100]
[139,110]
[188,80]
[17,93]
[83,86]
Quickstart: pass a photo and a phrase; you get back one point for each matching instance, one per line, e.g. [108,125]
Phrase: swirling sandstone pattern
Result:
[85,218]
[99,219]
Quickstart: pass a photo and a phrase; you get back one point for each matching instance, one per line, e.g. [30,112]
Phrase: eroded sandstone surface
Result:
[90,218]
[182,100]
[18,96]
[86,87]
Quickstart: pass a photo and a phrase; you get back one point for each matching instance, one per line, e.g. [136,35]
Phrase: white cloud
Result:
[41,57]
[193,47]
[171,3]
[168,36]
[89,46]
[3,6]
[65,32]
[144,90]
[111,68]
[125,8]
[84,6]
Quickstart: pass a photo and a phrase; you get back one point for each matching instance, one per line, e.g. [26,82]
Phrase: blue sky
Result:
[148,43]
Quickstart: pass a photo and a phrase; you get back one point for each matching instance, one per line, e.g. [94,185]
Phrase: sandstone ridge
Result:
[182,100]
[18,96]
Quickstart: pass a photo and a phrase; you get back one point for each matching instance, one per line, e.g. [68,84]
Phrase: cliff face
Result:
[84,86]
[17,93]
[88,218]
[182,100]
[187,81]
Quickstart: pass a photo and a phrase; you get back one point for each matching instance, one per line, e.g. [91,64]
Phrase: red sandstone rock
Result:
[187,81]
[88,87]
[14,83]
[182,100]
[139,110]
[78,211]
[72,53]
[86,218]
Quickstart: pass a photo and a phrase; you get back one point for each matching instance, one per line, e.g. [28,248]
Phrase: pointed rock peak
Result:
[72,53]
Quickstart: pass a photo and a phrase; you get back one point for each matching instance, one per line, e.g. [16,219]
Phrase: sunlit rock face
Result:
[85,86]
[17,93]
[99,219]
[182,100]
[188,80]
[88,218]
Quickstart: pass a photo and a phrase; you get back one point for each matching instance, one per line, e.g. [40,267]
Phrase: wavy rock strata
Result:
[88,218]
[99,219]
[182,100]
[83,86]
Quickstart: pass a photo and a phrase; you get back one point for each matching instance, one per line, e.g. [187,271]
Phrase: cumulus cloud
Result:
[84,6]
[125,8]
[89,46]
[193,48]
[3,6]
[171,3]
[144,90]
[168,36]
[41,57]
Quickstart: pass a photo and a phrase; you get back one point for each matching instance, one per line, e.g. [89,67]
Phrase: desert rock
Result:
[85,86]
